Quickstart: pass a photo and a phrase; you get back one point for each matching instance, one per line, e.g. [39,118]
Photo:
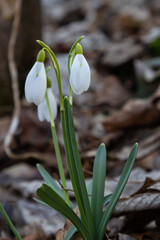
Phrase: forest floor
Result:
[121,107]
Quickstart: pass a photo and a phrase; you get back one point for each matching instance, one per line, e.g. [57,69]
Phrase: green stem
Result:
[12,227]
[58,155]
[70,89]
[70,96]
[56,68]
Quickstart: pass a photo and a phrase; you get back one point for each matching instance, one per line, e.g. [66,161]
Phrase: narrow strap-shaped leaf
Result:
[49,180]
[72,172]
[89,190]
[70,233]
[12,227]
[41,202]
[76,166]
[49,196]
[118,190]
[99,174]
[107,199]
[68,155]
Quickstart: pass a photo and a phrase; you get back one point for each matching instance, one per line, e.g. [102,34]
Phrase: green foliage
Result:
[118,191]
[90,200]
[10,224]
[155,45]
[92,216]
[50,197]
[99,174]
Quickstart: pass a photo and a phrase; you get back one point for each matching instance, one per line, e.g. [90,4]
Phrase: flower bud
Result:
[80,76]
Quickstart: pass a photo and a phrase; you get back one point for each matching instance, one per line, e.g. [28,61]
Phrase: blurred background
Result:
[122,106]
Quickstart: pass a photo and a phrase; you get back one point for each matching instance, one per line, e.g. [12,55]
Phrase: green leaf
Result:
[49,180]
[41,202]
[118,190]
[99,174]
[89,190]
[75,168]
[67,151]
[71,53]
[107,199]
[70,233]
[12,227]
[50,197]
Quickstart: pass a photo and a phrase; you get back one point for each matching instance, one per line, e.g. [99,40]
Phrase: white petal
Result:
[80,75]
[40,111]
[53,104]
[46,112]
[43,113]
[36,83]
[85,74]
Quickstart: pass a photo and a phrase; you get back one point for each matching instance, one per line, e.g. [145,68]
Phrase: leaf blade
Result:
[49,180]
[70,233]
[50,197]
[12,227]
[107,199]
[99,174]
[76,166]
[68,155]
[118,190]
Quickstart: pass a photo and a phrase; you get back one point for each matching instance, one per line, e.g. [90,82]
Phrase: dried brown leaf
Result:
[135,113]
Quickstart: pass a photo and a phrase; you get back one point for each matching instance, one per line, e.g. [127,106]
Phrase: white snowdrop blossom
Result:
[80,76]
[36,84]
[43,113]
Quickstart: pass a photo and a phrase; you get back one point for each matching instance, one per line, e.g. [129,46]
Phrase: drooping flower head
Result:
[80,76]
[36,83]
[42,110]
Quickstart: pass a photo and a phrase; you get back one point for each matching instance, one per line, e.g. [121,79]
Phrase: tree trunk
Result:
[26,46]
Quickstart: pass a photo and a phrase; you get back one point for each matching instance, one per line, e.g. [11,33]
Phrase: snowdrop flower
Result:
[43,113]
[36,83]
[80,76]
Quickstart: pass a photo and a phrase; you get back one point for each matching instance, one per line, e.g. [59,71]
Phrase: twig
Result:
[15,89]
[14,80]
